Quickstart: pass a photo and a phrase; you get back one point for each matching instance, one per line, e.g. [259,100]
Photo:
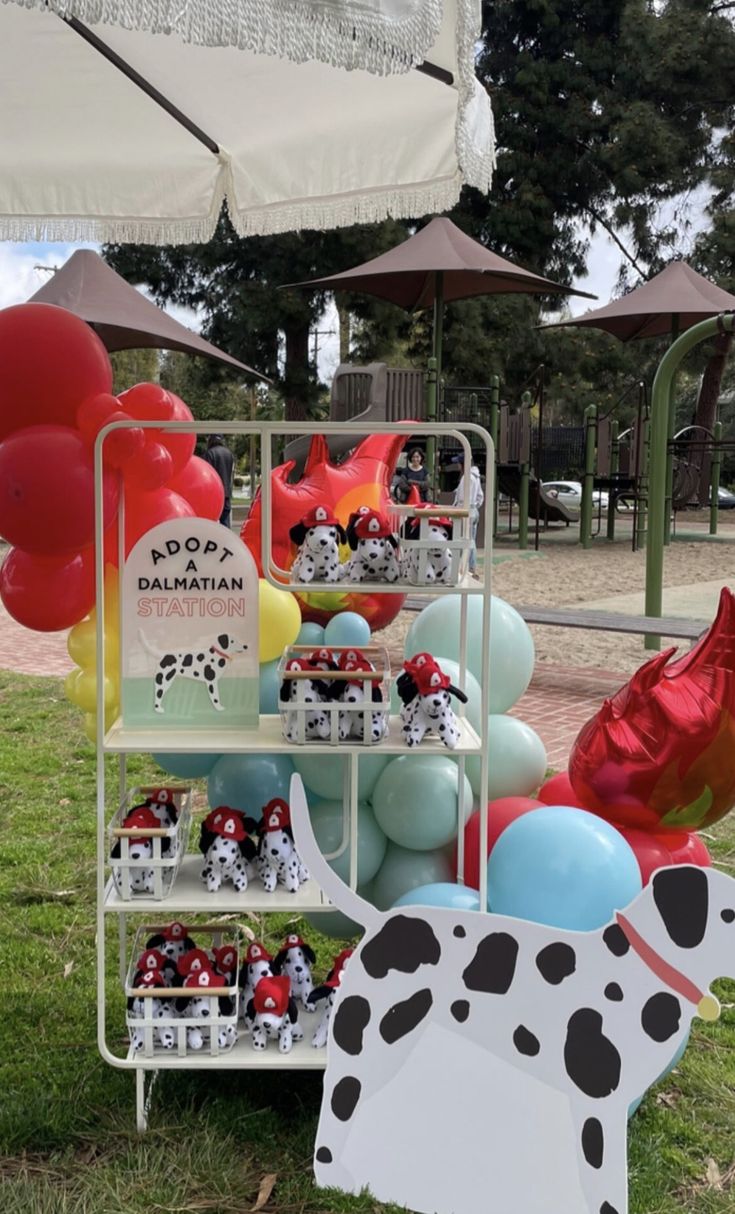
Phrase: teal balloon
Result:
[469,685]
[681,1050]
[249,782]
[324,775]
[563,867]
[310,634]
[416,801]
[327,823]
[442,893]
[516,759]
[185,766]
[436,630]
[347,628]
[334,924]
[403,870]
[269,687]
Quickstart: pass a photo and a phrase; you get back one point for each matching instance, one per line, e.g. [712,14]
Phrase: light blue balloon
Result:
[563,867]
[442,893]
[436,631]
[269,687]
[249,782]
[310,634]
[516,759]
[334,924]
[347,628]
[416,801]
[186,766]
[469,685]
[327,823]
[325,774]
[403,870]
[674,1062]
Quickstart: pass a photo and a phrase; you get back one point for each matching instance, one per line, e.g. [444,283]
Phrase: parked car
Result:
[569,494]
[725,500]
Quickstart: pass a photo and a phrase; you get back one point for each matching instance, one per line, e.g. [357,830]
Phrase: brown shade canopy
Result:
[649,311]
[407,274]
[122,317]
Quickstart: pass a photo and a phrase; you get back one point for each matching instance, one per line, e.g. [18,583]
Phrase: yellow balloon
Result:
[280,620]
[90,723]
[70,685]
[83,691]
[81,643]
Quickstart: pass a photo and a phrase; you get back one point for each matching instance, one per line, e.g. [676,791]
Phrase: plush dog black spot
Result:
[324,1155]
[661,1016]
[682,899]
[556,962]
[591,1059]
[613,992]
[353,1017]
[728,916]
[493,966]
[606,1208]
[593,1142]
[525,1042]
[459,932]
[403,1017]
[345,1096]
[460,1009]
[403,944]
[616,940]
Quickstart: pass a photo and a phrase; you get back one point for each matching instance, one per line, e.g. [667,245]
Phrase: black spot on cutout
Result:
[170,674]
[459,932]
[324,1155]
[168,660]
[350,1023]
[209,672]
[681,895]
[661,1016]
[727,916]
[404,944]
[616,940]
[556,962]
[403,1017]
[606,1208]
[525,1042]
[613,992]
[591,1060]
[460,1009]
[345,1096]
[159,677]
[493,966]
[188,659]
[593,1142]
[200,657]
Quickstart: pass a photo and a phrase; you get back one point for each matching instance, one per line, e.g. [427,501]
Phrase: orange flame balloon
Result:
[661,752]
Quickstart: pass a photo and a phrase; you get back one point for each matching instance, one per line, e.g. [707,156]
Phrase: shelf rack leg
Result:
[123,949]
[143,1099]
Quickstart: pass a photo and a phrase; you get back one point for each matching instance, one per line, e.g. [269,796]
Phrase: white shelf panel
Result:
[242,1056]
[190,895]
[268,739]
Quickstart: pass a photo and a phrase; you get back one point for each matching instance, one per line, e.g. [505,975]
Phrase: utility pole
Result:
[316,335]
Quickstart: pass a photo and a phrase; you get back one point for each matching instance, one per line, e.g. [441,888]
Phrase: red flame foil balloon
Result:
[661,752]
[362,479]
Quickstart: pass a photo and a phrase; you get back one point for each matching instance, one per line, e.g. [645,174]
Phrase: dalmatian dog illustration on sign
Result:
[491,1042]
[204,665]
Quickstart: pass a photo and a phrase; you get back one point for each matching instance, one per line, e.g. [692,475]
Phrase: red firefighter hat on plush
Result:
[276,815]
[372,525]
[203,980]
[295,664]
[293,940]
[322,659]
[150,978]
[195,959]
[349,656]
[152,959]
[225,959]
[338,965]
[175,932]
[226,822]
[256,952]
[420,661]
[319,516]
[272,995]
[163,796]
[430,678]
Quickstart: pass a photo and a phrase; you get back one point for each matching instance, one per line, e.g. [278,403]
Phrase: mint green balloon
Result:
[416,801]
[436,630]
[326,820]
[403,870]
[324,775]
[469,685]
[516,759]
[334,924]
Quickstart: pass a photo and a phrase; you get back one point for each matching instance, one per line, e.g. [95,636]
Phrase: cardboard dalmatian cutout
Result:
[502,1055]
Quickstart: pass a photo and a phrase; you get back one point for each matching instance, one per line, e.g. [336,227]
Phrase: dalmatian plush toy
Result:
[227,848]
[277,861]
[163,804]
[173,941]
[374,549]
[140,849]
[352,724]
[272,1014]
[317,537]
[198,1007]
[224,960]
[257,965]
[438,566]
[150,1006]
[304,692]
[295,959]
[424,690]
[328,991]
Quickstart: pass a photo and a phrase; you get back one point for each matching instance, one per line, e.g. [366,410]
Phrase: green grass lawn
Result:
[220,1142]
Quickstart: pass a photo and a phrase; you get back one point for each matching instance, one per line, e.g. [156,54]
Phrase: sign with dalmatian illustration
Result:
[190,629]
[475,1059]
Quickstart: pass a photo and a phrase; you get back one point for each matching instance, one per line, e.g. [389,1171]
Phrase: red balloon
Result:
[151,402]
[51,361]
[120,446]
[687,849]
[45,593]
[558,791]
[180,446]
[649,849]
[47,490]
[501,813]
[660,754]
[151,469]
[145,510]
[202,488]
[147,402]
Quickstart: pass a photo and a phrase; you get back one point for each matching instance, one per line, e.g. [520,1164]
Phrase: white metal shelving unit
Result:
[188,895]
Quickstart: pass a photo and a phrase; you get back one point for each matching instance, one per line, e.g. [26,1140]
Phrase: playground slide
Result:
[339,444]
[550,509]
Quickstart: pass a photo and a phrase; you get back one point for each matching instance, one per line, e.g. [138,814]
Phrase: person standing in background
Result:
[469,493]
[416,472]
[218,454]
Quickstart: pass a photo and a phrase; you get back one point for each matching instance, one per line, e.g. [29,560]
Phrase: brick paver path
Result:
[32,652]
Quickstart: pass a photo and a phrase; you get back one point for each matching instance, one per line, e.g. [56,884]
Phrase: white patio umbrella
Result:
[129,134]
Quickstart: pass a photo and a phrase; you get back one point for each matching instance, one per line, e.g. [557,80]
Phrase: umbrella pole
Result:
[670,439]
[432,399]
